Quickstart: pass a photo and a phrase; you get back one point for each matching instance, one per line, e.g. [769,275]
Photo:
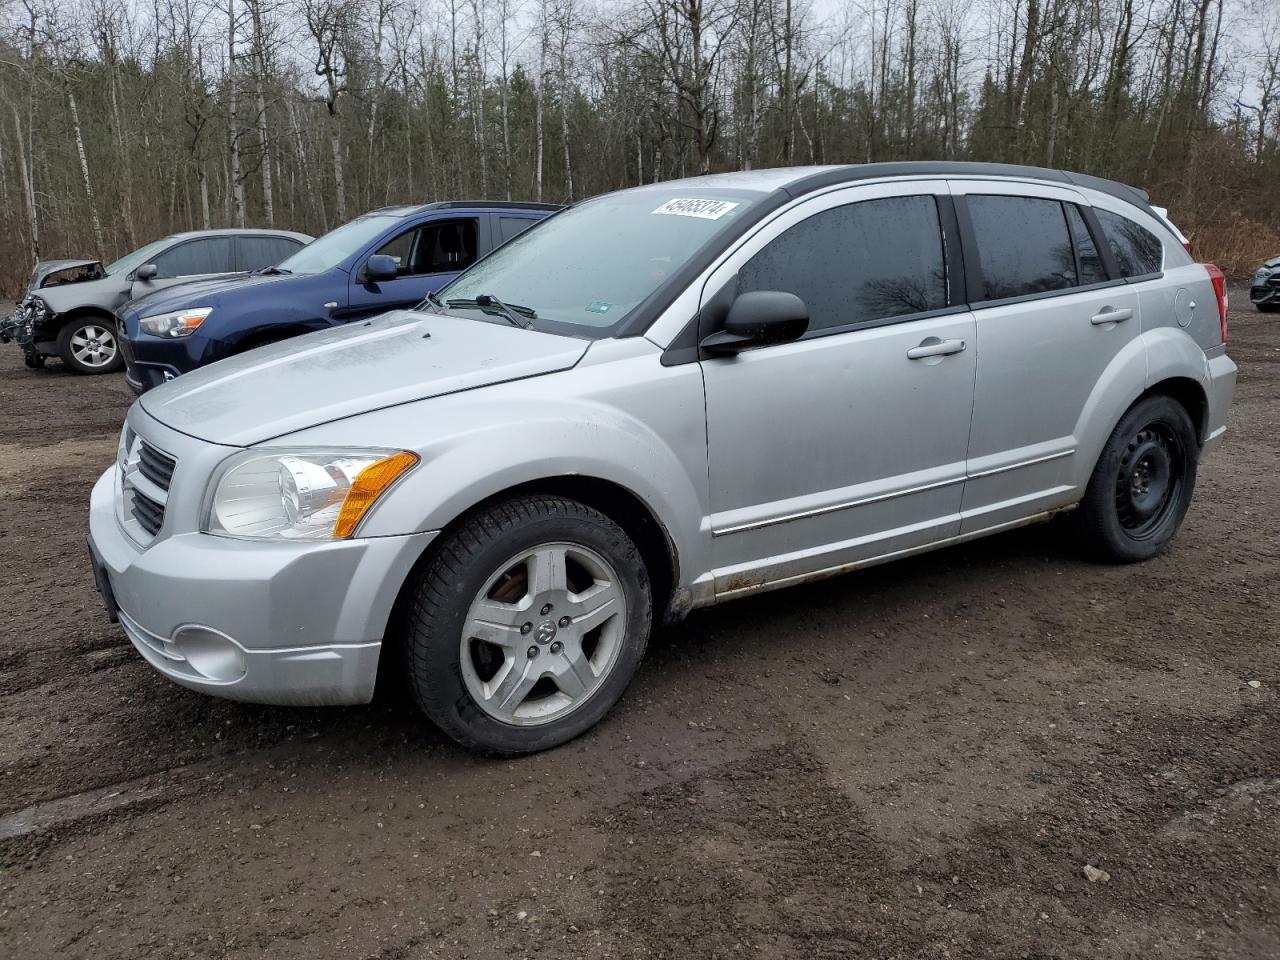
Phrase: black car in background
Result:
[1265,289]
[70,305]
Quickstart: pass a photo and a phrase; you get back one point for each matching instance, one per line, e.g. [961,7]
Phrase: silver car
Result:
[70,307]
[657,400]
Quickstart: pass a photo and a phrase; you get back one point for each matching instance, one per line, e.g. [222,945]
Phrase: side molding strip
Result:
[880,497]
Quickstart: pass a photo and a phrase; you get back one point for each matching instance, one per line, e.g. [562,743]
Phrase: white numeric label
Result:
[702,209]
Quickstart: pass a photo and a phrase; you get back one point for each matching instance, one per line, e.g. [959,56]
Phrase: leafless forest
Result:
[121,120]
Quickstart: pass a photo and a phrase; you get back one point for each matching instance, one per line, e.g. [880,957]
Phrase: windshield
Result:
[131,261]
[336,245]
[585,270]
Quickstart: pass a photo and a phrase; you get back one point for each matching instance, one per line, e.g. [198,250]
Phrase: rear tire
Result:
[90,345]
[1142,484]
[1267,307]
[527,625]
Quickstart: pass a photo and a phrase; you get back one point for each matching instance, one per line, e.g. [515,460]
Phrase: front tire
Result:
[1267,307]
[1142,484]
[527,625]
[90,345]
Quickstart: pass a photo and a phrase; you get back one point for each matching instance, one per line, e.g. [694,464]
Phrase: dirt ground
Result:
[917,761]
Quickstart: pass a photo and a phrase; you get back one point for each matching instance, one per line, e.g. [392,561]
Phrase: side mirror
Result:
[380,267]
[757,319]
[145,272]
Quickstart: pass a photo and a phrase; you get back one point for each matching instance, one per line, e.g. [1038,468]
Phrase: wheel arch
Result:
[671,602]
[624,506]
[1187,392]
[85,311]
[1165,361]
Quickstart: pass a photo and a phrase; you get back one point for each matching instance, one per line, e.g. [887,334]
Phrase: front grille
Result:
[148,473]
[155,466]
[148,513]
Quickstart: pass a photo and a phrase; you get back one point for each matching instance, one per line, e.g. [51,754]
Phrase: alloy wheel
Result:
[543,634]
[94,345]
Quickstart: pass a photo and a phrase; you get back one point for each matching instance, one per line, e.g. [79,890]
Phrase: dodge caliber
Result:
[657,400]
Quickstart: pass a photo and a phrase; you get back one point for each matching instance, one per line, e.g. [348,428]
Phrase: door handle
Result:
[933,347]
[1109,315]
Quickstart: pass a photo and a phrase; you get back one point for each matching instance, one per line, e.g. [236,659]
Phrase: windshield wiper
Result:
[272,271]
[512,311]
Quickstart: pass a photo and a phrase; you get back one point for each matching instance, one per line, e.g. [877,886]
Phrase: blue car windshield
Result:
[131,261]
[337,245]
[585,270]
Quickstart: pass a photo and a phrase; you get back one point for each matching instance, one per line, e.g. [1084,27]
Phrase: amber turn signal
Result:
[370,484]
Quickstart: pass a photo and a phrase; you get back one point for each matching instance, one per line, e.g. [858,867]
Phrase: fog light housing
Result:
[213,655]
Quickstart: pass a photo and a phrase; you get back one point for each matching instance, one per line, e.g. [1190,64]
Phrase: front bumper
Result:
[1265,293]
[27,327]
[143,374]
[280,623]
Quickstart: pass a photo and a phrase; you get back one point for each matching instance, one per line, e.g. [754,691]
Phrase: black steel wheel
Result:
[1151,470]
[1142,484]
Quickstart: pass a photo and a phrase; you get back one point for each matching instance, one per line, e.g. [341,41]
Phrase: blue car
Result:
[385,260]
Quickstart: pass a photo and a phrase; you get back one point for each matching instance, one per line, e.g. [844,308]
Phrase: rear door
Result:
[1049,322]
[849,443]
[429,255]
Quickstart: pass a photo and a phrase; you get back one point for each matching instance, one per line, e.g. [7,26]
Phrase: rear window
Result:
[1023,246]
[509,227]
[195,257]
[1138,251]
[258,252]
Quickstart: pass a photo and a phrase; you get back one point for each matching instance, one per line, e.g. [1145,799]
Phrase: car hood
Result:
[210,293]
[1273,262]
[47,268]
[332,374]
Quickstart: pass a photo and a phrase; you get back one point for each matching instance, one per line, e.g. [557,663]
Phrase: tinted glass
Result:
[258,252]
[401,249]
[865,261]
[436,247]
[509,227]
[1023,246]
[1092,269]
[131,261]
[195,257]
[445,247]
[1136,249]
[586,269]
[338,244]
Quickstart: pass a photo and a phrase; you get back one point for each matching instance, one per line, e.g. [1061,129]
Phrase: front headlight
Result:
[180,323]
[301,494]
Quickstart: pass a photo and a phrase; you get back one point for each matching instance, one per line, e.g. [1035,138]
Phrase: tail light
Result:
[1219,280]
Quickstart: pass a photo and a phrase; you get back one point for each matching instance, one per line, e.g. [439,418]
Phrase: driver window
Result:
[870,260]
[441,246]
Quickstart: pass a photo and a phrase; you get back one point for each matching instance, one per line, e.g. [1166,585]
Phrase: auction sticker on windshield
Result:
[702,209]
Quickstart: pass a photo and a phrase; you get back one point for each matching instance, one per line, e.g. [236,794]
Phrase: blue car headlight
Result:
[179,323]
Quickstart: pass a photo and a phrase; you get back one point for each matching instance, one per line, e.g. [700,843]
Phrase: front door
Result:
[429,255]
[848,444]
